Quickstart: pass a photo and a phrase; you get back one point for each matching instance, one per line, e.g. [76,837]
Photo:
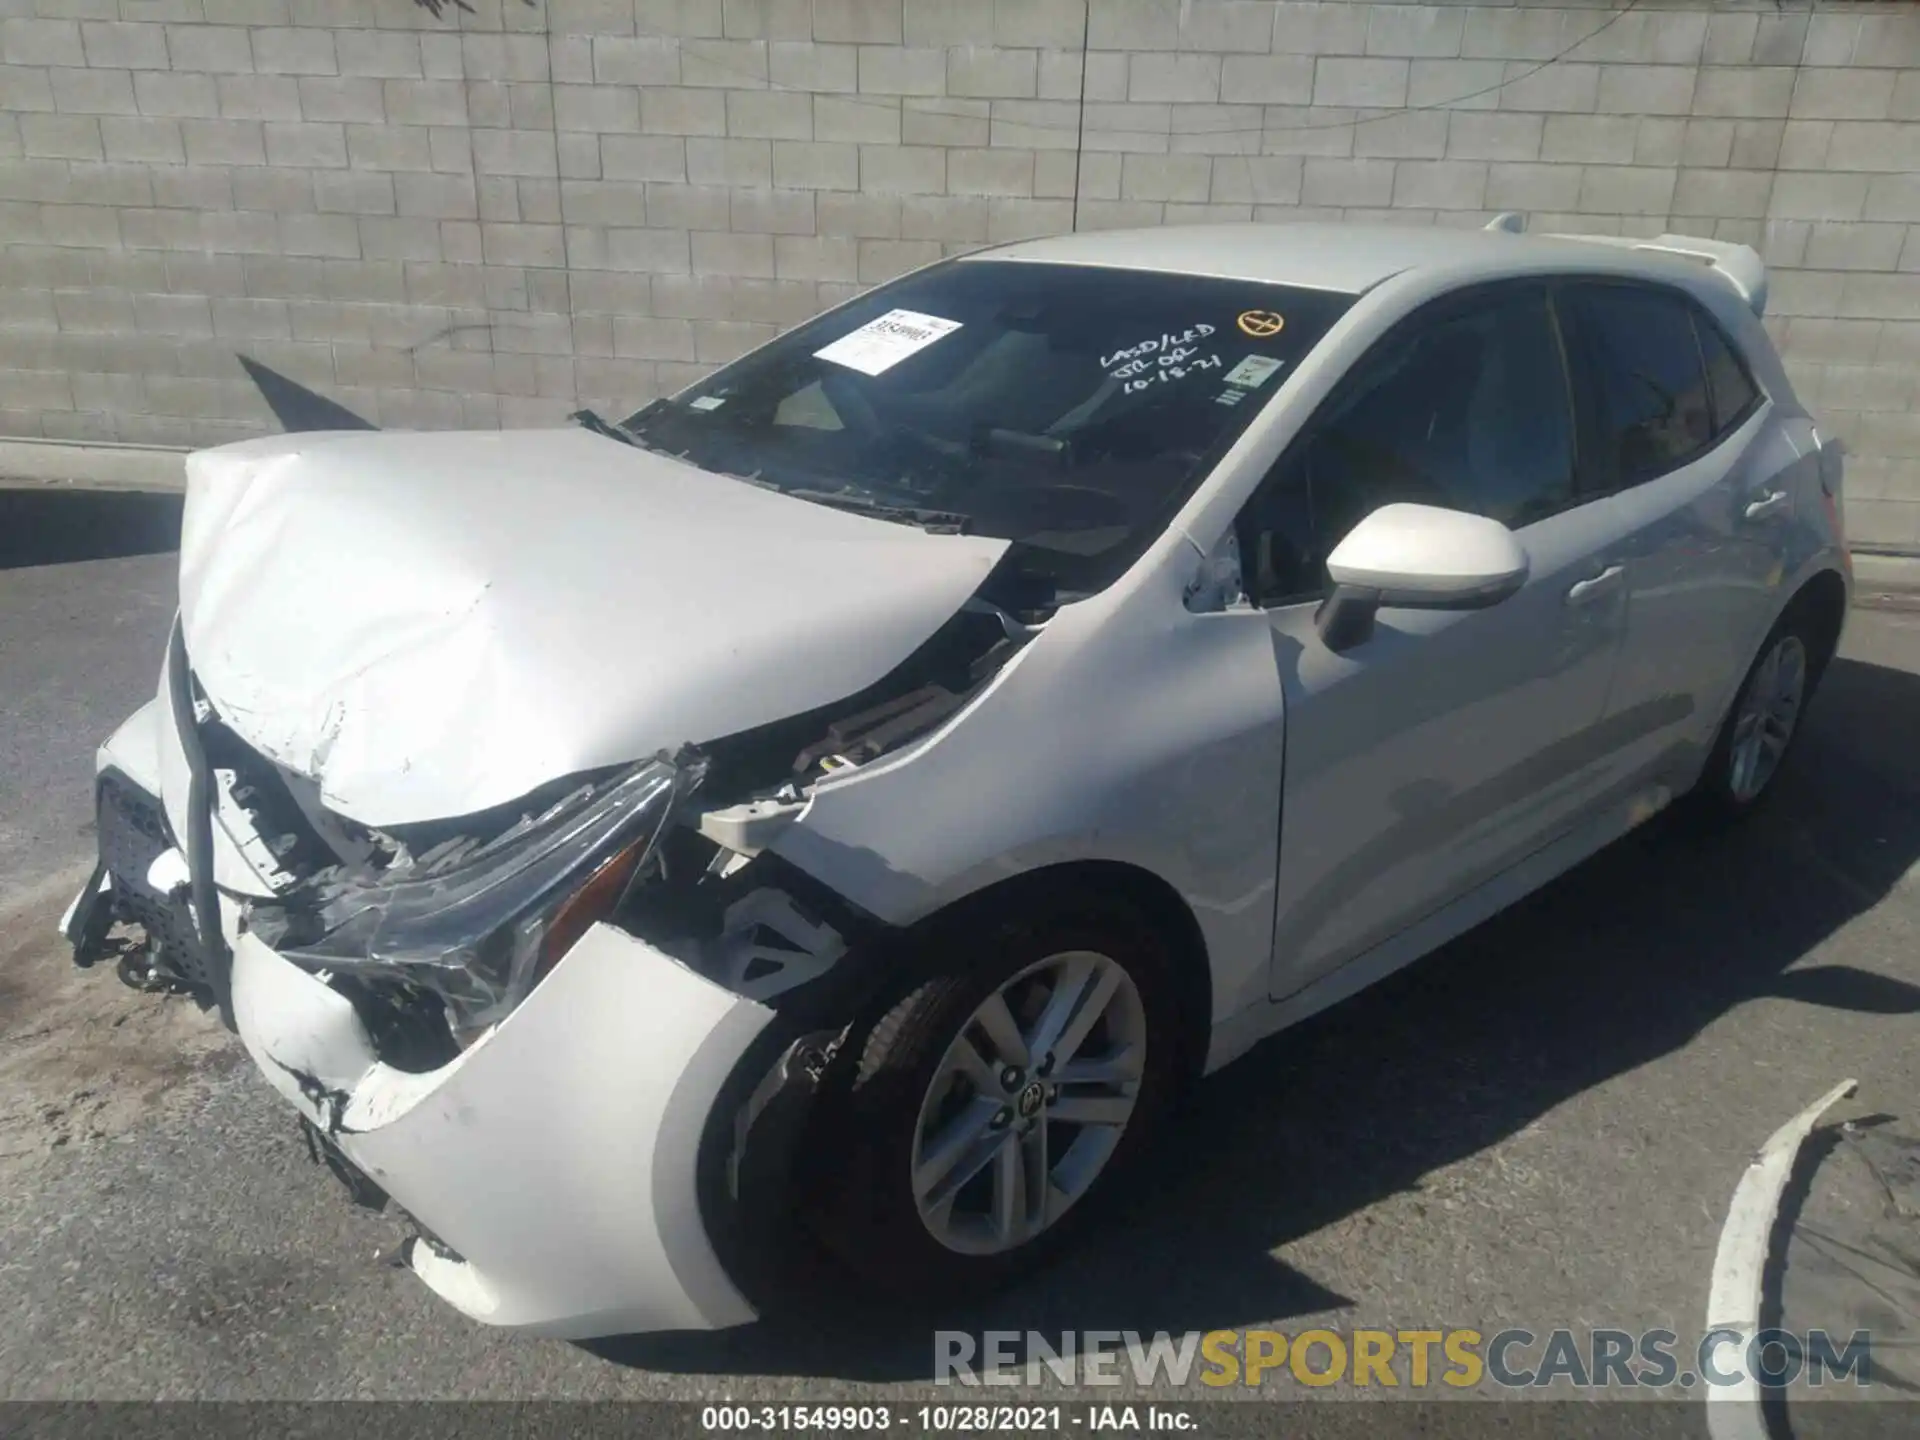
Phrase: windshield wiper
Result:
[600,425]
[936,522]
[624,431]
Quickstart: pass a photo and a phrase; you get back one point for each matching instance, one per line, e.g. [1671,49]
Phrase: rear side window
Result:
[1733,391]
[1654,408]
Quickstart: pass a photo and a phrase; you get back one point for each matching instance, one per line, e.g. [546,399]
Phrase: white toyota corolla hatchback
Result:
[861,791]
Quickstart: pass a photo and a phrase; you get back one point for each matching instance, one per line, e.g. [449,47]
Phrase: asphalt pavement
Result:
[86,595]
[1540,1126]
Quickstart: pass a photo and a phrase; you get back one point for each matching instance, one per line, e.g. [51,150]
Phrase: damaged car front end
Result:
[402,988]
[407,1003]
[401,984]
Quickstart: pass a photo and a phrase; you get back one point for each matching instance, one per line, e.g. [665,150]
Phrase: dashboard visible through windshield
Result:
[1069,409]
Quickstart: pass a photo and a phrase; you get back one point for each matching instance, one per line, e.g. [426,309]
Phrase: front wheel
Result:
[997,1103]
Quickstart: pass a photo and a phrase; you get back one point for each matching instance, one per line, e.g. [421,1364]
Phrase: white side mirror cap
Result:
[1425,556]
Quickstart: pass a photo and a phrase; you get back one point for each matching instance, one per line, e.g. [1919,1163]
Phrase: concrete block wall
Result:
[490,215]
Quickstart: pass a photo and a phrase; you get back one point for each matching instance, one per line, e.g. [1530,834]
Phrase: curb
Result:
[33,464]
[1886,582]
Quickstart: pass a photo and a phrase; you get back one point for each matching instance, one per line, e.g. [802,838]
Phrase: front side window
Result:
[1469,412]
[1654,410]
[1069,409]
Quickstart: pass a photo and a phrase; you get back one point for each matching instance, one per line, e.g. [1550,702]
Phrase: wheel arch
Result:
[1822,600]
[1817,608]
[1159,904]
[852,1151]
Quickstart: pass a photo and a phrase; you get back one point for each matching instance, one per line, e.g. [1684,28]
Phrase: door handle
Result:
[1604,583]
[1770,503]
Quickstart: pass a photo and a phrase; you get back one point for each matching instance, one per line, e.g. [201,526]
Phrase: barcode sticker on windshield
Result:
[1253,371]
[879,345]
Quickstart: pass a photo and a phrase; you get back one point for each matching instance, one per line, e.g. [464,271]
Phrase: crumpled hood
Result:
[432,624]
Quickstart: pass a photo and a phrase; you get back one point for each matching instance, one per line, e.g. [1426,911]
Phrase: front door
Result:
[1449,745]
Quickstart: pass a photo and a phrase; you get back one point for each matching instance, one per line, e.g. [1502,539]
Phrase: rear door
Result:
[1678,450]
[1449,745]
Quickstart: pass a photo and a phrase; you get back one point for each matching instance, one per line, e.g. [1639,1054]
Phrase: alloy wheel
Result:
[1029,1103]
[1769,711]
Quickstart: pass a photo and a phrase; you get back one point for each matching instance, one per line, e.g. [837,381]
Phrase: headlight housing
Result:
[478,925]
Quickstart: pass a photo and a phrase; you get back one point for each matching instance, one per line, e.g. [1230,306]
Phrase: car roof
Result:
[1345,258]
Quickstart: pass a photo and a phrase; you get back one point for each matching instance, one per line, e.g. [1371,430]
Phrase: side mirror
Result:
[1418,557]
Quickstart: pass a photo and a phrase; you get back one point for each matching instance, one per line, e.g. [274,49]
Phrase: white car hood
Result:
[432,624]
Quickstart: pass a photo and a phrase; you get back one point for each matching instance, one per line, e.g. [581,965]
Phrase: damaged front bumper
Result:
[141,875]
[563,1165]
[584,1166]
[556,1160]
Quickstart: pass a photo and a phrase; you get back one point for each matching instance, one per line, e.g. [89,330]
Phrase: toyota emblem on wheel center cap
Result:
[1030,1099]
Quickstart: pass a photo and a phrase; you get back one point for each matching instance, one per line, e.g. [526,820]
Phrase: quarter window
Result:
[1732,389]
[1654,409]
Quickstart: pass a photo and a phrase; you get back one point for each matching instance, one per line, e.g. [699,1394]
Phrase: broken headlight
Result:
[478,925]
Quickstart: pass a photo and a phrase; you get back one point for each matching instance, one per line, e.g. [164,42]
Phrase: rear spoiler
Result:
[1739,265]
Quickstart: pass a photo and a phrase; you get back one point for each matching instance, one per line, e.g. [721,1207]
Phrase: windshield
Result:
[1069,409]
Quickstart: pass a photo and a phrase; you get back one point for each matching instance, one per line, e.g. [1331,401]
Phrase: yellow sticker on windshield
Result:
[1260,323]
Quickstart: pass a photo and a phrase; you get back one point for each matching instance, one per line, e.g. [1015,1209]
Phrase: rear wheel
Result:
[1001,1101]
[1762,725]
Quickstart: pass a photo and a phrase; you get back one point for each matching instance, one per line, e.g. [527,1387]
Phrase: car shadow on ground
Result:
[1624,960]
[59,526]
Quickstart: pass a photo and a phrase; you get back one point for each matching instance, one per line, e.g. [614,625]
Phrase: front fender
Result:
[1131,731]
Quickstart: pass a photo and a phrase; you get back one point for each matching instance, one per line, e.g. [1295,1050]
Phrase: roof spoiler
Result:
[1739,265]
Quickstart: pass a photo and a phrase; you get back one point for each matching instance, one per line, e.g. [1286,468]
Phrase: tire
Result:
[907,1095]
[1728,789]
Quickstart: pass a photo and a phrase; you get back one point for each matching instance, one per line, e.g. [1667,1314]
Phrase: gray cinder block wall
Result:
[488,215]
